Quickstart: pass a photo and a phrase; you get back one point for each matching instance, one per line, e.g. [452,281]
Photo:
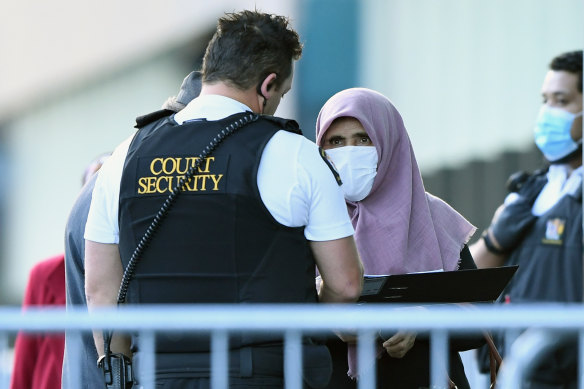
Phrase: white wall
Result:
[465,74]
[50,148]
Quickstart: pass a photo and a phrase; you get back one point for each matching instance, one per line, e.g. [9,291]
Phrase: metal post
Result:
[147,360]
[74,357]
[366,360]
[4,376]
[293,360]
[439,359]
[529,348]
[581,359]
[219,360]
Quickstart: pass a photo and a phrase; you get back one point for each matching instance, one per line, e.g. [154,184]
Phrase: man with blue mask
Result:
[539,226]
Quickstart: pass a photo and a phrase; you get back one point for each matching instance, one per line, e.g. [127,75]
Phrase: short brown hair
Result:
[248,46]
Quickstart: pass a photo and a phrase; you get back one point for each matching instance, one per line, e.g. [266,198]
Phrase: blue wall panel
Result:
[329,61]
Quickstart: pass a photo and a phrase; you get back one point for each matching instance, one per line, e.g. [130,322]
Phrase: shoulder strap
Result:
[143,120]
[285,124]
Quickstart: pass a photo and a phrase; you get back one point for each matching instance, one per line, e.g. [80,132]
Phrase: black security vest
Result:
[550,256]
[550,270]
[218,243]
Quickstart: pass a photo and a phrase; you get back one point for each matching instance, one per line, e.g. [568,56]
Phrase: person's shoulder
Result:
[288,125]
[296,145]
[289,133]
[290,147]
[46,285]
[302,156]
[49,264]
[46,268]
[114,164]
[78,213]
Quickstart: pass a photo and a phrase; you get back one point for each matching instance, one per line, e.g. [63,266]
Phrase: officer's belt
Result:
[243,362]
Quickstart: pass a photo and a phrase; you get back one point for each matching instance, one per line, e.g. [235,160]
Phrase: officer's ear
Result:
[267,85]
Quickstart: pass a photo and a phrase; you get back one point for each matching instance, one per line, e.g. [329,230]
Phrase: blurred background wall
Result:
[465,75]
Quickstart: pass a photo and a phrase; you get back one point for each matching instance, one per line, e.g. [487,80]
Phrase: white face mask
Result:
[357,166]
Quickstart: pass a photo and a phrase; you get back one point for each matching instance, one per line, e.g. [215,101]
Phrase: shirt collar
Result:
[559,184]
[210,107]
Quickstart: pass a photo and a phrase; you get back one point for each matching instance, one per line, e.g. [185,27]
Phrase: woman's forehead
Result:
[346,123]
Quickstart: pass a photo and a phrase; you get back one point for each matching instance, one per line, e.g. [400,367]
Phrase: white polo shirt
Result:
[295,184]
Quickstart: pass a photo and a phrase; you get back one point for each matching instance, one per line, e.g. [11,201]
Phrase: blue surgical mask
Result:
[552,133]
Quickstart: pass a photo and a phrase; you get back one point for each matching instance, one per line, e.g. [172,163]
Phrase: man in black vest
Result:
[539,226]
[255,207]
[79,367]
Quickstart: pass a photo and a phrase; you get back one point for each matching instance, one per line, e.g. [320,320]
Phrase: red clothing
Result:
[38,358]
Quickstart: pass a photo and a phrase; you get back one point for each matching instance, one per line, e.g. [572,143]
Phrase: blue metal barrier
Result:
[295,320]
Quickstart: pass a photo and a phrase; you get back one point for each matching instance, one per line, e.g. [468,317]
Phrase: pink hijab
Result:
[399,227]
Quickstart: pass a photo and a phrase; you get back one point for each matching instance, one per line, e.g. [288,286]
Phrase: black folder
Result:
[473,285]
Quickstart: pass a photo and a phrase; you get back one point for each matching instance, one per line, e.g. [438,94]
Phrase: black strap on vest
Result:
[143,120]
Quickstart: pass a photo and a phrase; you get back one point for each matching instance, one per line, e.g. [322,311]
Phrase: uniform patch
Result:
[554,231]
[162,174]
[331,165]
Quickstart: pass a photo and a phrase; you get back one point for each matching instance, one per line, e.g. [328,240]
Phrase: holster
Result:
[117,371]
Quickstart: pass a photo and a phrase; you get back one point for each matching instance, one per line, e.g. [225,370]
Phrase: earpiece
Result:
[268,87]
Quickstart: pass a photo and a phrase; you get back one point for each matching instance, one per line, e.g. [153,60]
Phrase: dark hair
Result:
[248,46]
[569,62]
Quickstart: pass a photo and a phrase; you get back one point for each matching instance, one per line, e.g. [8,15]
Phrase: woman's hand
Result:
[399,344]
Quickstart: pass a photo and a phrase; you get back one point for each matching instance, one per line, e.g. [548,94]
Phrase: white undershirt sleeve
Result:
[328,218]
[102,221]
[299,189]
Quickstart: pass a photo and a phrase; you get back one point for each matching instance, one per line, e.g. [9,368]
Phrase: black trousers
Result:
[249,367]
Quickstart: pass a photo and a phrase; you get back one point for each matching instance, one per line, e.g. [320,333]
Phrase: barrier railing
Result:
[545,322]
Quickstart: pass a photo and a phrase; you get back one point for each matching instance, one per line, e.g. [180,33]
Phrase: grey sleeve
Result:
[80,358]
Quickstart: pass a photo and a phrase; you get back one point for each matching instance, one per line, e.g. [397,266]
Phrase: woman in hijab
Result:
[399,227]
